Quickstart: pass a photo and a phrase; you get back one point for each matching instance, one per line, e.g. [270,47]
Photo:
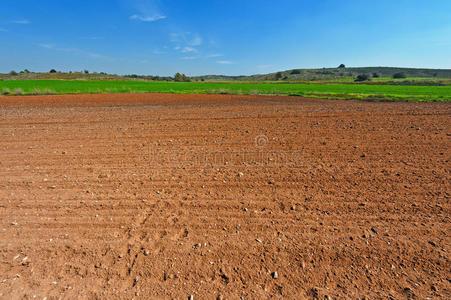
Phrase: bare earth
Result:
[223,197]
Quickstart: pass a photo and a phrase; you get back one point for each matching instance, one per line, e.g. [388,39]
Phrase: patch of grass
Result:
[322,90]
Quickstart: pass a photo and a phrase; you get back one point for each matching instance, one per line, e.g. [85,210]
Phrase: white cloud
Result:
[177,48]
[189,57]
[186,38]
[188,49]
[224,62]
[214,55]
[147,18]
[21,21]
[196,40]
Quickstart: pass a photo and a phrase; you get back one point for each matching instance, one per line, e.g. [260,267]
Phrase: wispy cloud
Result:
[143,18]
[196,40]
[3,29]
[21,21]
[224,62]
[214,55]
[156,51]
[189,49]
[187,38]
[189,57]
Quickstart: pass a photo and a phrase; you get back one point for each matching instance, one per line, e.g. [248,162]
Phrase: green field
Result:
[335,91]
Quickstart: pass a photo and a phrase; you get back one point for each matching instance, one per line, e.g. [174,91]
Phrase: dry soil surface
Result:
[223,197]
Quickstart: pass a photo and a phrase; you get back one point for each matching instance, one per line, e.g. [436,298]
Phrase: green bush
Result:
[399,75]
[363,77]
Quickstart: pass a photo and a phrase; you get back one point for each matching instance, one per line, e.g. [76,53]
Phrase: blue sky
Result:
[196,37]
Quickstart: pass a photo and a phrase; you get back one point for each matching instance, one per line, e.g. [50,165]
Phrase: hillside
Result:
[294,75]
[332,73]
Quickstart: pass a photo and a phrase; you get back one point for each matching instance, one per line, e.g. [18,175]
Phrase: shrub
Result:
[86,71]
[295,72]
[341,66]
[48,92]
[362,77]
[399,75]
[35,92]
[278,76]
[18,92]
[52,71]
[376,75]
[13,73]
[6,91]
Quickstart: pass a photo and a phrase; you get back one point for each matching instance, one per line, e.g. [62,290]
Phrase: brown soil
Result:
[132,196]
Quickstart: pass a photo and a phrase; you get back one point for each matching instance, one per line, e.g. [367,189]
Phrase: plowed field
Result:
[222,197]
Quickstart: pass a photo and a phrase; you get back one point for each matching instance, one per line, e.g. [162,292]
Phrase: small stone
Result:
[270,182]
[274,275]
[431,243]
[363,155]
[190,297]
[258,240]
[302,264]
[374,230]
[24,261]
[240,174]
[14,223]
[245,209]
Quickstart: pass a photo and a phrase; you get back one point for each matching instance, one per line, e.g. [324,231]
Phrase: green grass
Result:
[336,91]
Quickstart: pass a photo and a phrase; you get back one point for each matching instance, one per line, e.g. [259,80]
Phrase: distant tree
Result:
[278,76]
[341,66]
[178,77]
[363,77]
[202,79]
[295,72]
[13,73]
[376,75]
[435,75]
[86,71]
[399,75]
[26,71]
[52,71]
[181,77]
